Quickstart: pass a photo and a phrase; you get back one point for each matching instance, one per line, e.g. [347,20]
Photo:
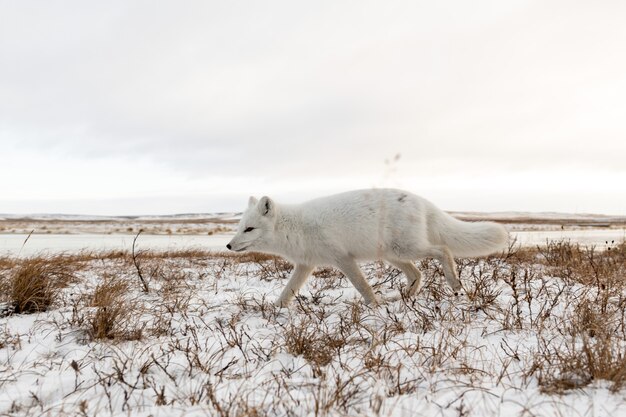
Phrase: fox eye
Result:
[249,229]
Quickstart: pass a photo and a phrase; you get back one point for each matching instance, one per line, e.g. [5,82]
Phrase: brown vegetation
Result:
[557,314]
[111,313]
[33,283]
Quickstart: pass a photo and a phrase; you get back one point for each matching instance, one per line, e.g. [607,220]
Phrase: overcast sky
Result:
[144,107]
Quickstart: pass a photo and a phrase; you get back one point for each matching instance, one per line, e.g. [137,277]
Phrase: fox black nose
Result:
[228,246]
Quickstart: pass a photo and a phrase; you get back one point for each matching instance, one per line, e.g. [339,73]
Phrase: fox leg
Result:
[444,256]
[351,270]
[298,277]
[413,276]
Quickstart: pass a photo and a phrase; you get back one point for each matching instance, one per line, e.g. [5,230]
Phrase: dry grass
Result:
[580,361]
[312,340]
[33,283]
[112,314]
[7,262]
[122,225]
[543,321]
[591,322]
[587,265]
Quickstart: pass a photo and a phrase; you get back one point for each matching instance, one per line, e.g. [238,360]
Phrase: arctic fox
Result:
[377,224]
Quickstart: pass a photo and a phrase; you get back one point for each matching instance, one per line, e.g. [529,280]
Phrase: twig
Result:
[25,240]
[136,263]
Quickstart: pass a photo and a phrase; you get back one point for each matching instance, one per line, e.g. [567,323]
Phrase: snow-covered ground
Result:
[199,224]
[206,341]
[14,244]
[65,233]
[539,332]
[192,224]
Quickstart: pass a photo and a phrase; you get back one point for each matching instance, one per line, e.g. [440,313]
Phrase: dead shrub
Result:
[579,362]
[584,264]
[591,350]
[111,317]
[516,254]
[9,339]
[338,396]
[7,262]
[236,405]
[588,320]
[313,341]
[327,272]
[35,282]
[481,288]
[274,268]
[249,257]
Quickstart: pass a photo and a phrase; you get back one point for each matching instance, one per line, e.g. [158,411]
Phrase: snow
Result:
[54,233]
[213,344]
[13,244]
[212,341]
[543,216]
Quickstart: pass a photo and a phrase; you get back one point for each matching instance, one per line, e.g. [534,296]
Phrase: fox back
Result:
[364,224]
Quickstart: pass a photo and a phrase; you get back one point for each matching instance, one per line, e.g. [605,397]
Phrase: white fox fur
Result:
[377,224]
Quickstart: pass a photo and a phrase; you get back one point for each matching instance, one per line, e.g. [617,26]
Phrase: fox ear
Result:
[252,201]
[266,207]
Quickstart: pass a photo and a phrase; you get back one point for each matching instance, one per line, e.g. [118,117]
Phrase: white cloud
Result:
[310,96]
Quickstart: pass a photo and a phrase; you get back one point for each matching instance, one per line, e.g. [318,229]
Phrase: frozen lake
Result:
[589,237]
[13,244]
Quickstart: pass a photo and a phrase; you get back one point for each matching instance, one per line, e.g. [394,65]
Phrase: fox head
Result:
[256,226]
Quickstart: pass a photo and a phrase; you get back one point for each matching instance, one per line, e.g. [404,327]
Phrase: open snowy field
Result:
[214,223]
[182,224]
[61,233]
[537,332]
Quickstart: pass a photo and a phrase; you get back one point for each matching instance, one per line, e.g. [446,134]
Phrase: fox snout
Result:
[233,245]
[236,246]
